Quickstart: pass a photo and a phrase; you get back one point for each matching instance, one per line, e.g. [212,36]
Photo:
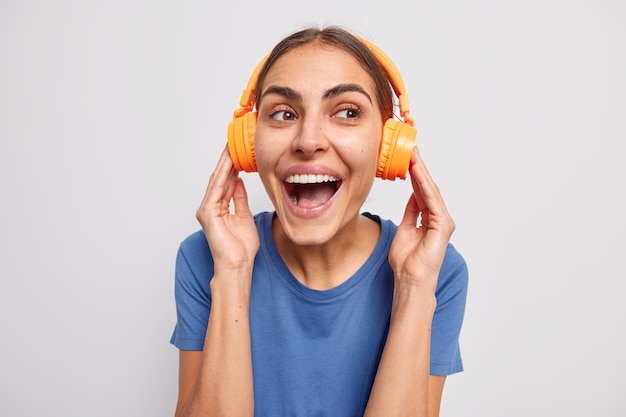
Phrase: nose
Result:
[311,138]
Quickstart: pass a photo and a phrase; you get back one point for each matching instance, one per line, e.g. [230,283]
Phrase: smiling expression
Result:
[317,141]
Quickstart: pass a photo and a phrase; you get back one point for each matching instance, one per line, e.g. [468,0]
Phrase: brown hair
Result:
[342,39]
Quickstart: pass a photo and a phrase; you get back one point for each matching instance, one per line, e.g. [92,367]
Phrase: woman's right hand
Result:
[233,237]
[218,379]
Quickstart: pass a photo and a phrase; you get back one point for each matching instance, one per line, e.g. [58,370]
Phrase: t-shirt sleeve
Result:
[451,293]
[193,272]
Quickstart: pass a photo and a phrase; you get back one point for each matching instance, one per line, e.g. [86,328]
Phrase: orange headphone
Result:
[398,136]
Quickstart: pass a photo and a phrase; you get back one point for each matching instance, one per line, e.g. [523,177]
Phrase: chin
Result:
[308,231]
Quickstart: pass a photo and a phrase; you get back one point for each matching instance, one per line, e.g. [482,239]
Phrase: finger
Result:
[427,193]
[414,172]
[411,213]
[221,186]
[240,198]
[222,178]
[430,201]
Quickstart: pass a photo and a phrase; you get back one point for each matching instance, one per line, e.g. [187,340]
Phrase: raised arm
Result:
[218,380]
[403,385]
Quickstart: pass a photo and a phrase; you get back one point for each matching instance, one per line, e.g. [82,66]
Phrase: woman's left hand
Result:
[419,246]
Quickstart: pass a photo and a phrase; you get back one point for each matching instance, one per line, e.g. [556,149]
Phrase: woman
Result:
[317,309]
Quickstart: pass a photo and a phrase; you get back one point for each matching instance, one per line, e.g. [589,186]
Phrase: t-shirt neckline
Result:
[368,269]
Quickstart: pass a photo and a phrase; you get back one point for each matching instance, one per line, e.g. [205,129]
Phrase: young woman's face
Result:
[317,140]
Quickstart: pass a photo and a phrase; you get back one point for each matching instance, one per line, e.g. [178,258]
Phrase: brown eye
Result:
[283,115]
[348,114]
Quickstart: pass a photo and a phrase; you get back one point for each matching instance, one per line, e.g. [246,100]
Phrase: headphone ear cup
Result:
[241,142]
[395,151]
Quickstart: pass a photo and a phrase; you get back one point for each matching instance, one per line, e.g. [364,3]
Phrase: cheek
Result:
[264,164]
[262,152]
[362,160]
[266,157]
[368,150]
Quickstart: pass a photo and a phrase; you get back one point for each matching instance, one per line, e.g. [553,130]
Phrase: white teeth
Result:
[309,178]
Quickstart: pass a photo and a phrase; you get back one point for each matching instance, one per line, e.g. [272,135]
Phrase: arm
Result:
[188,368]
[218,380]
[403,385]
[435,390]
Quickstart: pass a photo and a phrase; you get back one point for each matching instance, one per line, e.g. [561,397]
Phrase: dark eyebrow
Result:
[286,92]
[345,88]
[292,94]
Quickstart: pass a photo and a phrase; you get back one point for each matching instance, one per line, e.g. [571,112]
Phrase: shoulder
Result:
[453,260]
[387,227]
[194,242]
[453,276]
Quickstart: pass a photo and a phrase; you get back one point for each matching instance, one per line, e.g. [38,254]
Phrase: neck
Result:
[326,266]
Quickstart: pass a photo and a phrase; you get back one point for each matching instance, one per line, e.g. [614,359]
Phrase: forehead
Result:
[317,65]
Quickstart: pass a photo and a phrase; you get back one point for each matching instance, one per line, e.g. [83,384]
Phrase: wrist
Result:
[232,284]
[422,287]
[415,298]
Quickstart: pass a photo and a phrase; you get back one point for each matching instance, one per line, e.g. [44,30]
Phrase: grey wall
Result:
[112,115]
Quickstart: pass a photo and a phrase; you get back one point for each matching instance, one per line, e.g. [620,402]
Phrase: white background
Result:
[112,114]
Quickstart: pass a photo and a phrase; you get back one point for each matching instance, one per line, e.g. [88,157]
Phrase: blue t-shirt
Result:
[315,353]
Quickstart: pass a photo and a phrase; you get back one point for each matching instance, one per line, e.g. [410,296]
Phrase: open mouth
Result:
[311,190]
